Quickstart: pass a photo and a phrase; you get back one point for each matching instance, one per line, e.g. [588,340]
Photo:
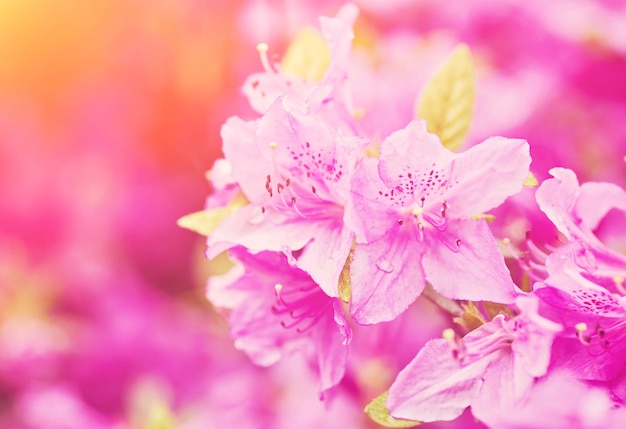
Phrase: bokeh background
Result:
[110,113]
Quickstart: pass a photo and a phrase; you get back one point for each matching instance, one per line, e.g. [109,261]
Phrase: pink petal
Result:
[325,255]
[262,89]
[435,386]
[367,214]
[249,165]
[487,174]
[412,151]
[248,227]
[475,270]
[596,200]
[504,387]
[386,277]
[532,348]
[557,197]
[332,351]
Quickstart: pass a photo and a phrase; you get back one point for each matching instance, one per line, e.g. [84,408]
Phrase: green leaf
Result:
[205,221]
[345,291]
[447,100]
[531,181]
[377,411]
[307,56]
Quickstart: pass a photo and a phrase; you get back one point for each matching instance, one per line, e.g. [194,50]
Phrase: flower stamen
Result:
[308,306]
[262,48]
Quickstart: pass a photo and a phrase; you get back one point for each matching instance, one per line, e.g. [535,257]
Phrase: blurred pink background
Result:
[110,113]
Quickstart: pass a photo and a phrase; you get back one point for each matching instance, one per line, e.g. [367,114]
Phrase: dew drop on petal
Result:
[384,265]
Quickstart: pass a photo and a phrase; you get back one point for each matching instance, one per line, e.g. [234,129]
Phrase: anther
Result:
[524,258]
[448,334]
[456,346]
[581,328]
[444,207]
[273,145]
[278,288]
[263,48]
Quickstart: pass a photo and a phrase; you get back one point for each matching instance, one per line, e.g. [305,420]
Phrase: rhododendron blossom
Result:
[577,210]
[339,218]
[411,211]
[276,308]
[328,58]
[583,284]
[295,172]
[494,366]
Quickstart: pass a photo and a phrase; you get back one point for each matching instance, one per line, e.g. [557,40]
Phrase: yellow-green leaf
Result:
[205,221]
[307,56]
[377,411]
[447,100]
[344,281]
[531,181]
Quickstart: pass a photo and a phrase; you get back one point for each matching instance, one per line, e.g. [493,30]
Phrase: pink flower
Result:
[295,171]
[577,211]
[492,367]
[582,280]
[276,308]
[411,213]
[262,89]
[594,317]
[595,320]
[294,163]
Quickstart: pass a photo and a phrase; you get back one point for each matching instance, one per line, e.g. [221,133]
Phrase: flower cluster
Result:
[336,222]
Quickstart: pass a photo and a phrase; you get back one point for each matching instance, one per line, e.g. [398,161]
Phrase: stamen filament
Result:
[262,48]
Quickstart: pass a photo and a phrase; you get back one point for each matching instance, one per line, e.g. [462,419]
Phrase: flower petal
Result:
[435,386]
[332,350]
[557,197]
[248,227]
[596,200]
[505,385]
[475,270]
[366,214]
[487,174]
[386,277]
[325,255]
[409,155]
